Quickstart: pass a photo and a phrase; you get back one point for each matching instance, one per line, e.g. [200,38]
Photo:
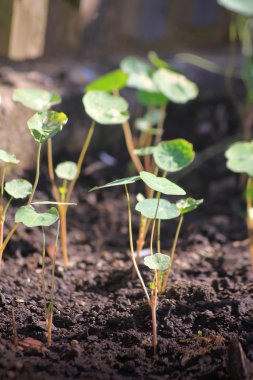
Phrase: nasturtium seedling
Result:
[18,188]
[243,7]
[115,80]
[66,170]
[139,74]
[188,204]
[45,125]
[36,99]
[157,261]
[118,182]
[31,218]
[173,155]
[105,108]
[152,98]
[8,158]
[176,87]
[160,184]
[240,157]
[165,210]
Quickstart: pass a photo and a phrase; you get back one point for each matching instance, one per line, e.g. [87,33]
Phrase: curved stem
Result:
[36,176]
[51,170]
[6,207]
[172,252]
[80,160]
[132,246]
[2,184]
[130,146]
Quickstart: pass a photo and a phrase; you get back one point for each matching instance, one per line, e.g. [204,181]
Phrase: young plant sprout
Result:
[240,160]
[155,210]
[42,126]
[29,217]
[16,189]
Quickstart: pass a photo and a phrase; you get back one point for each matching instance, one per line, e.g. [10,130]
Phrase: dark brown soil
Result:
[102,324]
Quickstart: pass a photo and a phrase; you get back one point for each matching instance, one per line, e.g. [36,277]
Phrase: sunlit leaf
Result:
[118,182]
[105,108]
[66,170]
[160,184]
[188,204]
[8,158]
[240,157]
[36,99]
[244,7]
[166,210]
[158,261]
[173,155]
[31,218]
[45,125]
[157,61]
[115,80]
[139,73]
[18,188]
[175,86]
[152,99]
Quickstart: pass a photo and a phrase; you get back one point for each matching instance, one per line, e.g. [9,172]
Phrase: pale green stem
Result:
[6,207]
[153,225]
[43,280]
[172,252]
[132,246]
[159,235]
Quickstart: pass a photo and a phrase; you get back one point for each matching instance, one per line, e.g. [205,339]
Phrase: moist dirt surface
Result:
[102,323]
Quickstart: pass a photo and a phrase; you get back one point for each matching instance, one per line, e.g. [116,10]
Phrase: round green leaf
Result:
[144,151]
[18,188]
[115,80]
[158,261]
[173,155]
[118,182]
[188,204]
[160,184]
[139,73]
[36,99]
[31,218]
[152,99]
[66,170]
[175,86]
[105,108]
[8,158]
[244,7]
[240,157]
[45,125]
[166,210]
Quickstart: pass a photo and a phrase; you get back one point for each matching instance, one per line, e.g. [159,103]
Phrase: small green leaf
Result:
[115,80]
[18,188]
[158,62]
[8,158]
[166,210]
[36,99]
[139,73]
[66,170]
[240,157]
[45,125]
[31,218]
[173,155]
[160,184]
[175,86]
[152,99]
[158,261]
[188,204]
[244,7]
[105,108]
[118,182]
[144,151]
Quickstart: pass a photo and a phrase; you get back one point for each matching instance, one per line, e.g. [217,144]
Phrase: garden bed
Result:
[102,324]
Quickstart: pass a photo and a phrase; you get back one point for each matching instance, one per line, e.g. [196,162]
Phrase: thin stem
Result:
[160,124]
[51,170]
[43,279]
[2,184]
[159,235]
[249,189]
[64,244]
[130,146]
[6,207]
[154,323]
[36,176]
[80,160]
[172,252]
[6,240]
[132,246]
[153,225]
